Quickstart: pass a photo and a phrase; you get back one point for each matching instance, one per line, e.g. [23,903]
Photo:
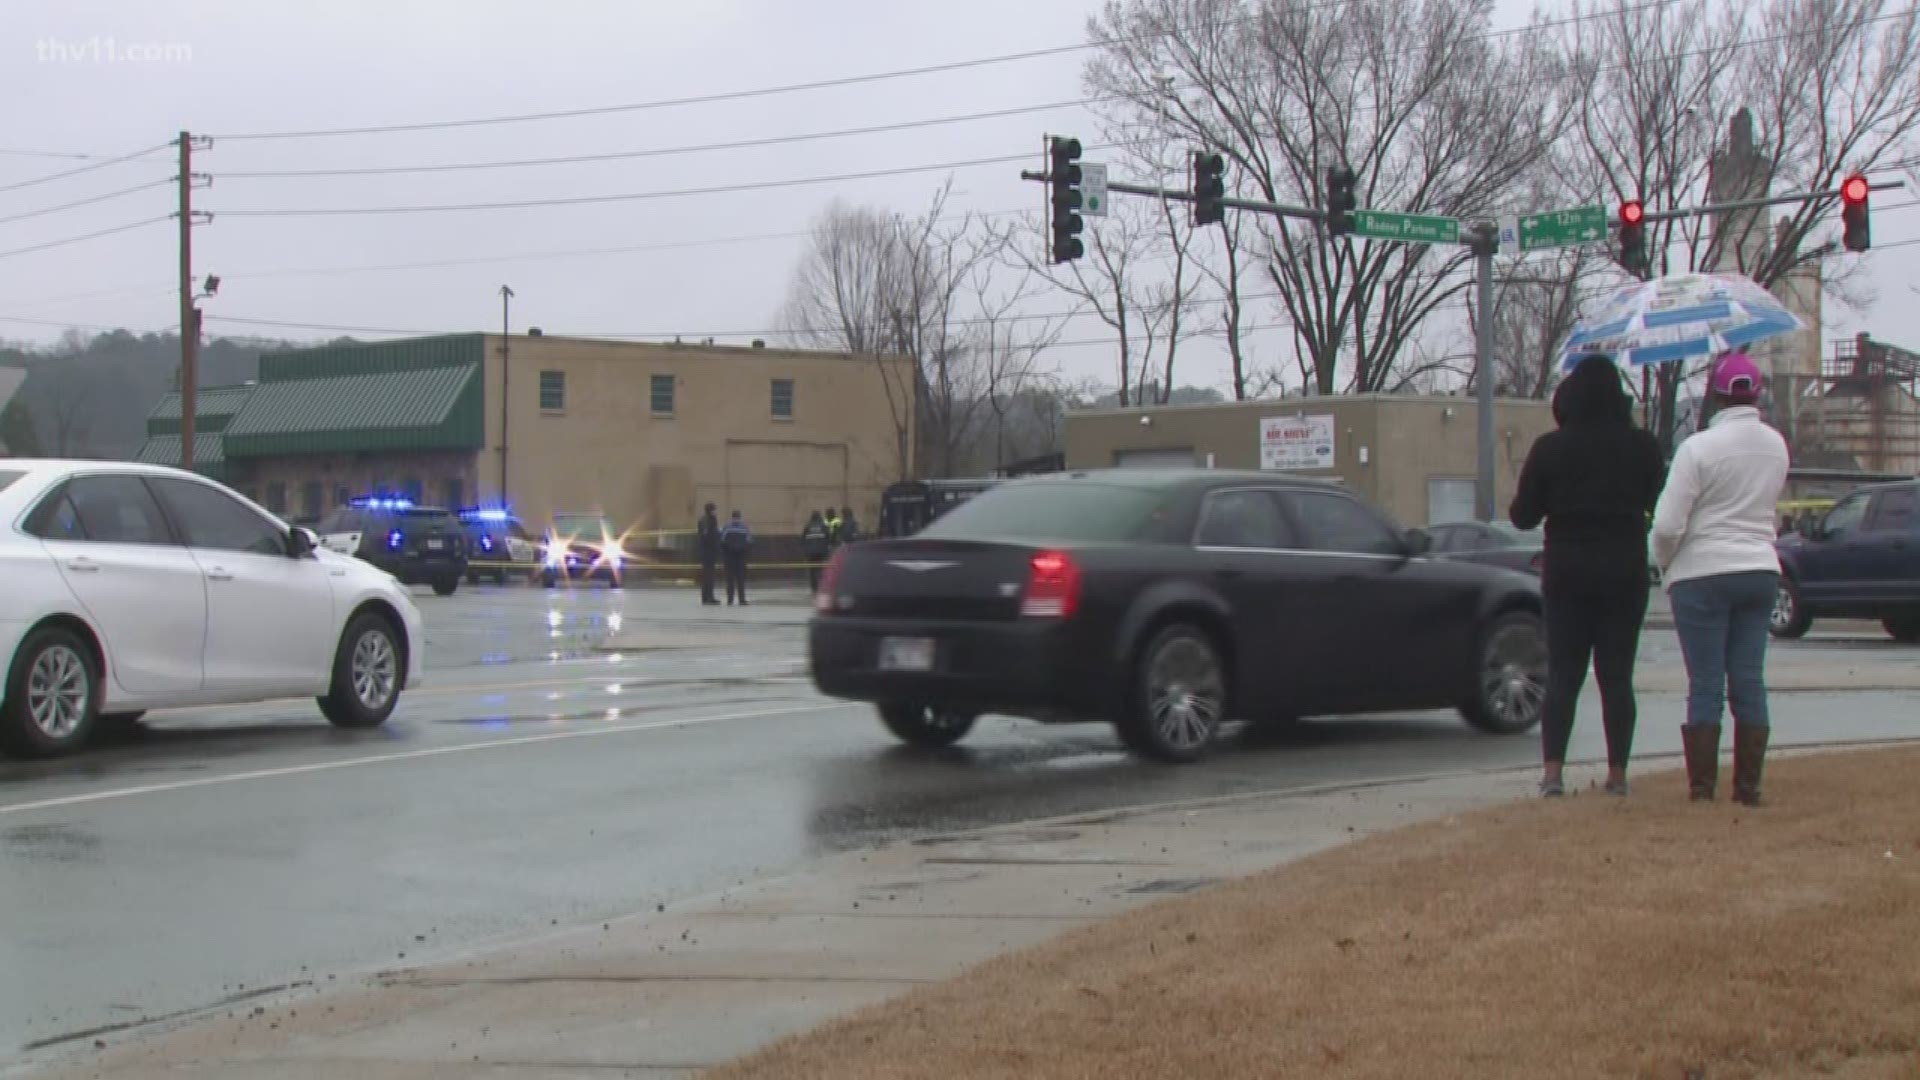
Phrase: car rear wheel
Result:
[1790,619]
[926,725]
[1180,696]
[1510,675]
[1904,629]
[446,586]
[368,670]
[53,695]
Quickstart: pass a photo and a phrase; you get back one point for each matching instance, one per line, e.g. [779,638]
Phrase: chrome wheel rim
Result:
[1782,608]
[1186,693]
[59,690]
[375,669]
[944,720]
[1513,680]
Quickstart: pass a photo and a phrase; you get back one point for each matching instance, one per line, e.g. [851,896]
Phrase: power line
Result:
[50,177]
[88,236]
[579,200]
[740,144]
[87,202]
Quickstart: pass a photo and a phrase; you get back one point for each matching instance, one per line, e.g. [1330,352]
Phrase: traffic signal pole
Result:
[1485,243]
[1277,209]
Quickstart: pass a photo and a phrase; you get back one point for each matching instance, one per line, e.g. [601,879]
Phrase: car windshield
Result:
[7,477]
[1051,510]
[430,516]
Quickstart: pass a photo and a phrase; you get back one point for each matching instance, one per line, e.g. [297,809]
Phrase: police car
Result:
[497,544]
[420,545]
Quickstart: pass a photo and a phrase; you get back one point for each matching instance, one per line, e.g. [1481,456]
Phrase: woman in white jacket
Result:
[1713,535]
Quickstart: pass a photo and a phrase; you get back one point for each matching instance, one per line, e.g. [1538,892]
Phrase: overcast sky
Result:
[227,69]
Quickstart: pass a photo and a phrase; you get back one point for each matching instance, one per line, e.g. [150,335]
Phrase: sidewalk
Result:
[669,992]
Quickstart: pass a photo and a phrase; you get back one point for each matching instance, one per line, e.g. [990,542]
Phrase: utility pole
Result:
[1486,241]
[506,355]
[189,321]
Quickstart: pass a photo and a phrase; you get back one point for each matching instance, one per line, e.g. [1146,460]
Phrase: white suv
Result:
[134,587]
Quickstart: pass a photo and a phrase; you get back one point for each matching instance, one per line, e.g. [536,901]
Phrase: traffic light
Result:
[1853,214]
[1341,201]
[1063,179]
[1209,187]
[1633,237]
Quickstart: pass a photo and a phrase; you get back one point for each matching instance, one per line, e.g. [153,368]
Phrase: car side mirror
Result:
[1419,542]
[301,542]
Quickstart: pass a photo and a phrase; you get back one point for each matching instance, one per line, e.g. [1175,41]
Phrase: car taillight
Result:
[1053,586]
[829,578]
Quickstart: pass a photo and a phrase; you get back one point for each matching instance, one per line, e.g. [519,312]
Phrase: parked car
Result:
[1860,561]
[1491,543]
[1166,602]
[583,547]
[498,546]
[135,587]
[420,545]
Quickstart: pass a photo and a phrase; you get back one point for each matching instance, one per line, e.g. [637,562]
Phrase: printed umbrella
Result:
[1678,317]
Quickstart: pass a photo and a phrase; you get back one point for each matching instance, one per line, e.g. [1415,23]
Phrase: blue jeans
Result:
[1722,622]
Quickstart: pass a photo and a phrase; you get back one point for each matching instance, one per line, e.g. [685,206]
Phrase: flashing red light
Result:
[1632,213]
[1854,190]
[1053,586]
[829,580]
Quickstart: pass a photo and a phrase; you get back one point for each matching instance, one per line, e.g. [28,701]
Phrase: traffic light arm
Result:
[1277,209]
[1754,204]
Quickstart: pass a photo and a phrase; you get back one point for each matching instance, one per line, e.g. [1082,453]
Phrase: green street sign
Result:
[1563,228]
[1413,228]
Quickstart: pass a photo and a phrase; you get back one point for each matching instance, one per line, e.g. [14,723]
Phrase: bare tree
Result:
[1433,113]
[1695,101]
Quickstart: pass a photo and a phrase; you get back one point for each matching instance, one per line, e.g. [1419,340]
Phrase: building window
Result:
[783,399]
[277,497]
[553,391]
[310,495]
[663,395]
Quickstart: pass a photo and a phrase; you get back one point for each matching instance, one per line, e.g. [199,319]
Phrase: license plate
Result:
[436,545]
[906,654]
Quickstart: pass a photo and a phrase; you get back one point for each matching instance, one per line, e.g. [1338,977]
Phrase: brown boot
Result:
[1702,745]
[1749,759]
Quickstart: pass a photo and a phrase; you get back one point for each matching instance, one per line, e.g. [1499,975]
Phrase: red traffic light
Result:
[1632,213]
[1854,190]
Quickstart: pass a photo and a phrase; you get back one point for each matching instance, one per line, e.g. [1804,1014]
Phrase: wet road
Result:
[540,781]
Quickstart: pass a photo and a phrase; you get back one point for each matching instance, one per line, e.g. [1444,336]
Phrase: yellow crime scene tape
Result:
[639,567]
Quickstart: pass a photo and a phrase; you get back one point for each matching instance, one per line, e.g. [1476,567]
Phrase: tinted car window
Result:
[1846,517]
[1338,523]
[1894,510]
[56,519]
[117,510]
[212,519]
[1244,519]
[1051,510]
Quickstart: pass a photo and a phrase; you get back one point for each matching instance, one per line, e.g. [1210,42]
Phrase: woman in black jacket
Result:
[1594,482]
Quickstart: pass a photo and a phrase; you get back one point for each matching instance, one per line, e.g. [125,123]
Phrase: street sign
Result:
[1509,235]
[1414,228]
[1563,228]
[1093,189]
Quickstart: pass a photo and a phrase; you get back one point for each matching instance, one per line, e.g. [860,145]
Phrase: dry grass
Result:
[1583,938]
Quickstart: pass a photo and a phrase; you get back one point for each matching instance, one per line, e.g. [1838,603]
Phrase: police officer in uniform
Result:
[709,542]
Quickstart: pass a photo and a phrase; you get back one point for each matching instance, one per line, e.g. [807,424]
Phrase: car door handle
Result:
[83,566]
[219,573]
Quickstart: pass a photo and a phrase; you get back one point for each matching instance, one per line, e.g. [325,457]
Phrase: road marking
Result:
[410,755]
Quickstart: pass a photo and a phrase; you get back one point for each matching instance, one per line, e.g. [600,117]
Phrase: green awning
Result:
[436,408]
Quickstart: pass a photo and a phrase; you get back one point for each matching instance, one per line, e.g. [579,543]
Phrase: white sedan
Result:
[125,588]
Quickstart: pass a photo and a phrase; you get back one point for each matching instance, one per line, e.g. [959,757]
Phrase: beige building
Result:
[640,433]
[1414,456]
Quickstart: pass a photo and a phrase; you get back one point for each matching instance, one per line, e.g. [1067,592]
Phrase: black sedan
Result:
[1166,601]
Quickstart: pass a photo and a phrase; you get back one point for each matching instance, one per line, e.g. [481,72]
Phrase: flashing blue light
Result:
[379,502]
[394,540]
[490,513]
[486,543]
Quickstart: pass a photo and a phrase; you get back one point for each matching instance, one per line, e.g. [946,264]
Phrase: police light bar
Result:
[379,502]
[487,513]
